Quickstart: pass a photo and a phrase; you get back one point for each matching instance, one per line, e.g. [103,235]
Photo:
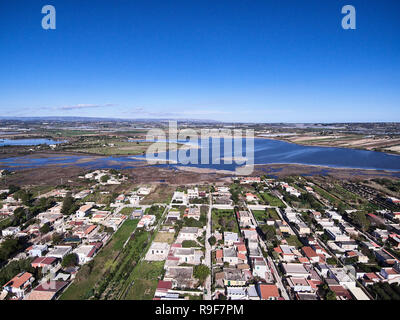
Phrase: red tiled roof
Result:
[309,252]
[18,280]
[241,247]
[278,250]
[90,229]
[269,291]
[241,256]
[53,286]
[43,261]
[164,285]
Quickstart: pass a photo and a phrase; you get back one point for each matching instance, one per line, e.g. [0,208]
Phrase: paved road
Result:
[208,260]
[271,263]
[278,279]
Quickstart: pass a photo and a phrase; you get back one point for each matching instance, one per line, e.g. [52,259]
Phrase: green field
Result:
[271,200]
[104,260]
[270,213]
[224,220]
[260,215]
[145,277]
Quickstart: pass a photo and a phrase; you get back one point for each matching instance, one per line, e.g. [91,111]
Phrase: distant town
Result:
[105,236]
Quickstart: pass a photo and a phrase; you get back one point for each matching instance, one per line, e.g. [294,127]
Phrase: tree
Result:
[105,178]
[212,240]
[70,260]
[56,238]
[201,272]
[268,231]
[361,220]
[45,228]
[69,207]
[330,295]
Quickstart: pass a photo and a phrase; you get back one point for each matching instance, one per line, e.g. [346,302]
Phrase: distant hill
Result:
[94,119]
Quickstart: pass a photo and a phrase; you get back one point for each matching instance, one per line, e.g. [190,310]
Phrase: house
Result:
[286,253]
[396,215]
[163,288]
[282,226]
[341,292]
[10,231]
[85,253]
[303,228]
[246,219]
[193,193]
[46,263]
[173,216]
[230,238]
[252,293]
[180,276]
[311,254]
[336,234]
[371,278]
[59,252]
[250,234]
[230,256]
[251,197]
[236,293]
[268,292]
[47,291]
[381,234]
[384,257]
[179,197]
[348,245]
[137,214]
[143,191]
[84,210]
[20,284]
[292,191]
[120,198]
[260,268]
[158,251]
[341,276]
[295,270]
[250,180]
[358,294]
[146,221]
[233,277]
[188,233]
[390,273]
[334,215]
[37,250]
[301,285]
[188,255]
[193,212]
[82,194]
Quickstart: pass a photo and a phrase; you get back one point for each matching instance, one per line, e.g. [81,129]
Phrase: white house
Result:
[20,284]
[37,250]
[85,253]
[158,251]
[188,233]
[10,231]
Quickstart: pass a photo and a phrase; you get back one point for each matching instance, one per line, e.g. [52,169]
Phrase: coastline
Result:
[283,139]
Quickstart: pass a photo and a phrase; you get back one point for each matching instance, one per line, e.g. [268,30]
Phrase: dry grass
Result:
[164,237]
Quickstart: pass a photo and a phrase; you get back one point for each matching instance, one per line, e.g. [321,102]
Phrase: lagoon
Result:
[27,142]
[266,151]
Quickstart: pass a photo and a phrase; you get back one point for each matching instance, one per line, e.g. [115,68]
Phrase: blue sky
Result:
[229,60]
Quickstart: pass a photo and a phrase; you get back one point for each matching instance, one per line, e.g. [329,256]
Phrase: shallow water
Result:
[266,151]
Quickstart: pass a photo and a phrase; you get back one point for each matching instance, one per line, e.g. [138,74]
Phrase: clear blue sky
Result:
[232,60]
